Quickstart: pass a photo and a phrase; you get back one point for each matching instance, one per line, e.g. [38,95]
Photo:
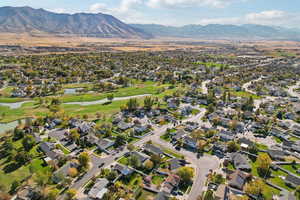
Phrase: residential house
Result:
[296,130]
[219,150]
[179,135]
[139,129]
[226,136]
[104,143]
[190,142]
[292,180]
[190,126]
[49,149]
[171,183]
[240,161]
[238,179]
[122,169]
[63,172]
[175,164]
[123,126]
[162,196]
[245,143]
[152,149]
[99,189]
[141,156]
[26,193]
[276,154]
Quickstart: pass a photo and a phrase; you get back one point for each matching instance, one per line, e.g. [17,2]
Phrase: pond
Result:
[9,126]
[102,101]
[72,90]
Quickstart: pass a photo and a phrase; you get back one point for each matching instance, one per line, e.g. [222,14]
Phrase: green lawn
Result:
[245,94]
[170,151]
[269,192]
[32,109]
[63,149]
[77,85]
[166,137]
[290,168]
[139,89]
[123,160]
[145,195]
[277,180]
[157,179]
[133,181]
[11,100]
[21,173]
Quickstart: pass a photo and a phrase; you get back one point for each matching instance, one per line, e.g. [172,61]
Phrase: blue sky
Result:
[180,12]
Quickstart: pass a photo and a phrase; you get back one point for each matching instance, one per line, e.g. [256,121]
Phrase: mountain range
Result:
[218,31]
[29,20]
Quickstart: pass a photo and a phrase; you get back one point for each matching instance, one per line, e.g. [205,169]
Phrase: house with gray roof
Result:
[240,161]
[99,189]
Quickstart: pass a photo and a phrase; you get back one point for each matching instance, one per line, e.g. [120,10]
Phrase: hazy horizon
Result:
[180,12]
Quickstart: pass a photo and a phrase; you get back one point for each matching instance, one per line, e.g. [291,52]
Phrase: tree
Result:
[132,104]
[52,194]
[130,147]
[156,159]
[255,187]
[84,160]
[186,174]
[28,142]
[71,193]
[112,175]
[148,103]
[14,186]
[41,179]
[149,165]
[298,192]
[120,140]
[74,135]
[22,157]
[233,146]
[110,97]
[18,134]
[134,161]
[73,172]
[264,162]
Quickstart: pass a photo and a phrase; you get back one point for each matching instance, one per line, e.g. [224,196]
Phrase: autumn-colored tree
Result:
[255,187]
[186,174]
[264,162]
[71,193]
[149,165]
[73,172]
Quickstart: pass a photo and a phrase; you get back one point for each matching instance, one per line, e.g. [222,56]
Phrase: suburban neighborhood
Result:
[216,123]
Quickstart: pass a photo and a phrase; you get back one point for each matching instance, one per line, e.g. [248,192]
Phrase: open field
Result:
[87,44]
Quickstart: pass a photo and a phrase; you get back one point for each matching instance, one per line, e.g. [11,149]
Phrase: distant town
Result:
[211,122]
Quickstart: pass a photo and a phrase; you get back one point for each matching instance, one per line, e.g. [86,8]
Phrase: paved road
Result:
[291,89]
[202,165]
[247,85]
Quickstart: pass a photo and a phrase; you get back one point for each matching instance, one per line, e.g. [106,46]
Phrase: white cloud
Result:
[189,3]
[269,17]
[59,10]
[125,11]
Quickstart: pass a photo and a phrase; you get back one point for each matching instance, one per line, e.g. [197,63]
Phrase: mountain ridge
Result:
[27,19]
[30,20]
[219,31]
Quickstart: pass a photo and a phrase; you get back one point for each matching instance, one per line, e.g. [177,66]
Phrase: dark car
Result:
[101,165]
